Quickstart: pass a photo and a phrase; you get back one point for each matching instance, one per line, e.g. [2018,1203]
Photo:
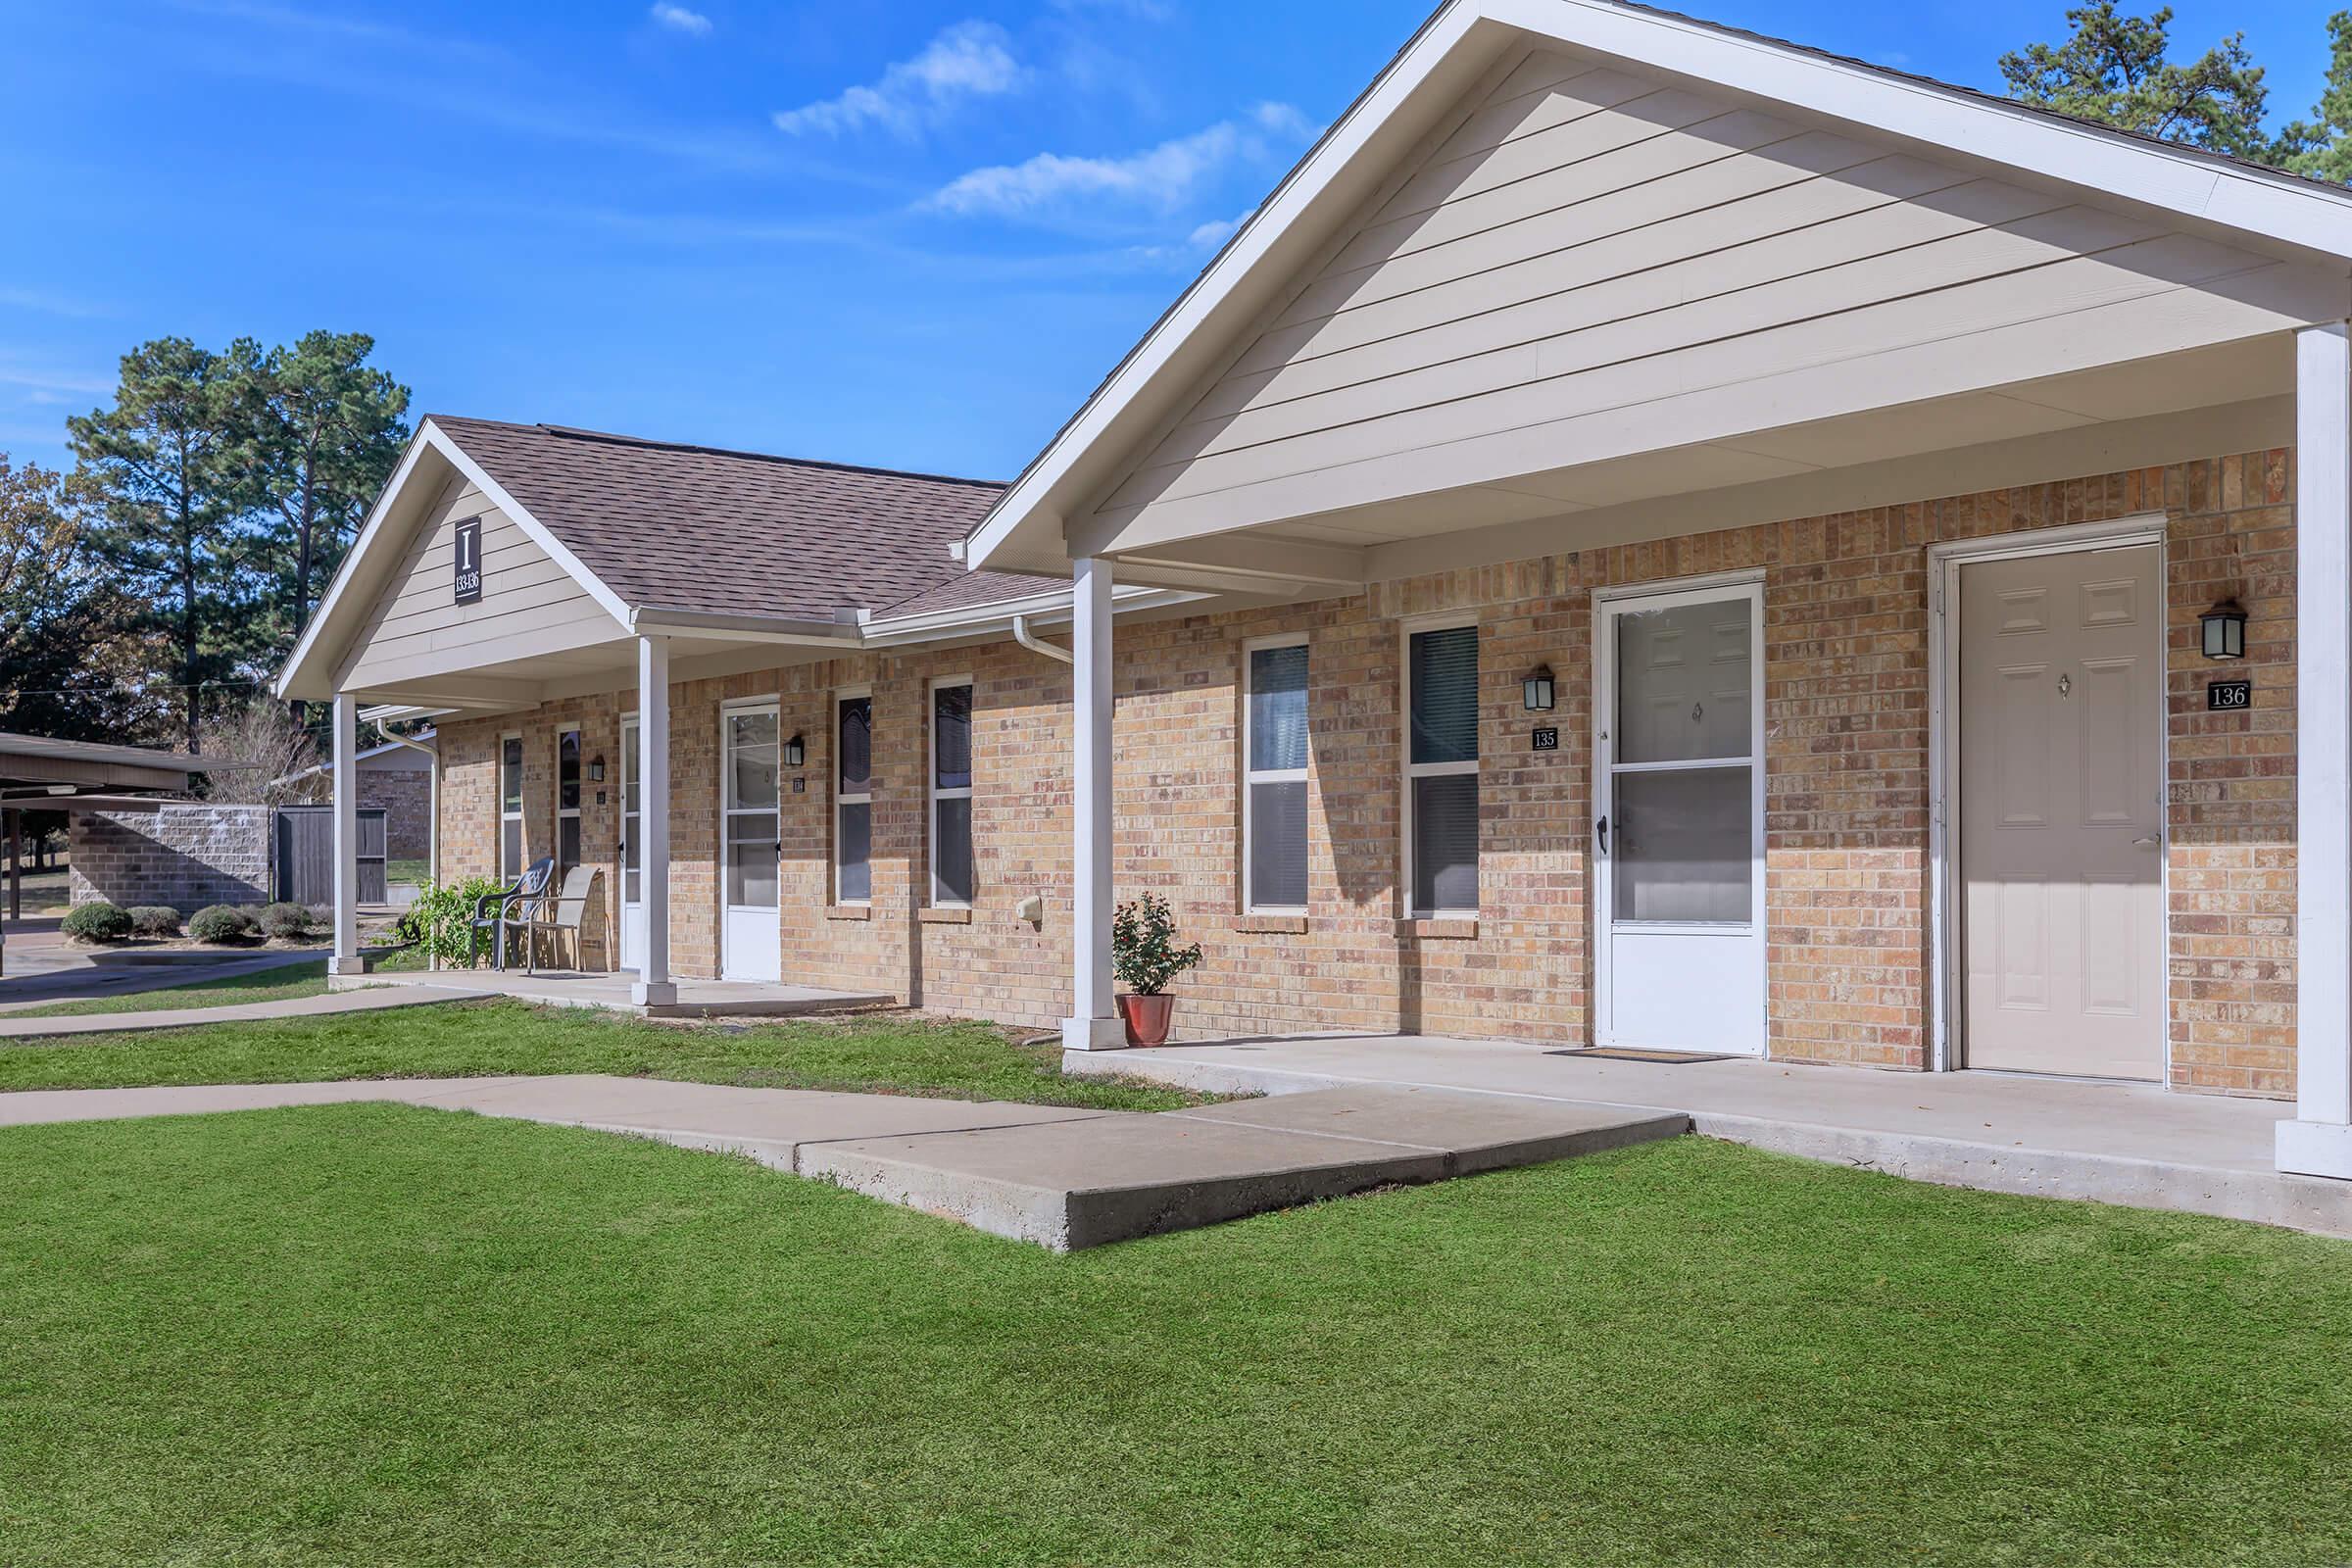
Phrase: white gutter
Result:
[1021,634]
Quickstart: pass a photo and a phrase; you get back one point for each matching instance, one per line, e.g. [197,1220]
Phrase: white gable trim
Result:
[2265,206]
[336,607]
[532,526]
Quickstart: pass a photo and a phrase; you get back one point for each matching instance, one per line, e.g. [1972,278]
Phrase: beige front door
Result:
[2061,755]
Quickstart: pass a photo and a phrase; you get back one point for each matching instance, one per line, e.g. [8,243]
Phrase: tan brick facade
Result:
[1847,794]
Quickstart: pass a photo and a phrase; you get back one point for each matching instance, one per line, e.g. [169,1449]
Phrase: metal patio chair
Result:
[500,914]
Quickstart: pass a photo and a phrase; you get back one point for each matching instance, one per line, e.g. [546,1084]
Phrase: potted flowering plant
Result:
[1145,957]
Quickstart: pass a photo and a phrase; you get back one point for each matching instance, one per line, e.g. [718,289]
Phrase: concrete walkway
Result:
[610,990]
[2137,1145]
[1058,1177]
[321,1006]
[63,975]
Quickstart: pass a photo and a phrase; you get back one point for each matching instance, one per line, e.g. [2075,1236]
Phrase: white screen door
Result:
[1679,821]
[752,940]
[632,852]
[2061,755]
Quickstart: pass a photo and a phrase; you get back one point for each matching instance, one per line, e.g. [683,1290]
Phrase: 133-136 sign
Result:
[470,561]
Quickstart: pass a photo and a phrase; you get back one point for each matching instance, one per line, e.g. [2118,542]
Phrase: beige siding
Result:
[529,604]
[1593,265]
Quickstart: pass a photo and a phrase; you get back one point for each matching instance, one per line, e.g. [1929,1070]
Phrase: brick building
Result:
[1650,536]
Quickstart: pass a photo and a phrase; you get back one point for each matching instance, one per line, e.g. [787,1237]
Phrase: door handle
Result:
[1601,830]
[2145,844]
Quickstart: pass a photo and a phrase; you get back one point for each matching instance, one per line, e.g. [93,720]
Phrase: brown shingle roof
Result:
[668,526]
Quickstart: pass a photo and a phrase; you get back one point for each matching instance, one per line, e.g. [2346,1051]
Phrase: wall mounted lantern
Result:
[796,752]
[596,770]
[1539,690]
[2224,628]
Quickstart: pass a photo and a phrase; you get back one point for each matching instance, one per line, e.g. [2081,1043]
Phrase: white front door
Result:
[752,942]
[2061,762]
[632,854]
[1679,819]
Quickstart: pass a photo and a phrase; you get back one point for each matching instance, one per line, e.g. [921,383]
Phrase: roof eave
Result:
[2268,207]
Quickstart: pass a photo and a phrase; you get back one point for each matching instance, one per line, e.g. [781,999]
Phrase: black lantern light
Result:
[2224,628]
[796,752]
[1539,690]
[596,770]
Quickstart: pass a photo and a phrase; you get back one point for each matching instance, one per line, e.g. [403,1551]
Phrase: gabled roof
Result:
[676,536]
[2263,207]
[711,531]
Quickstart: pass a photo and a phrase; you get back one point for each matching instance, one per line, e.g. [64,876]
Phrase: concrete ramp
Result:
[1061,1178]
[1109,1178]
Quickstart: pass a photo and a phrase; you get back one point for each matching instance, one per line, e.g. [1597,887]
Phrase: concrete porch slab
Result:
[2137,1145]
[610,990]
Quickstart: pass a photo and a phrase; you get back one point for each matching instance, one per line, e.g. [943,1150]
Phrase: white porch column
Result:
[1091,1025]
[654,987]
[344,764]
[2319,1141]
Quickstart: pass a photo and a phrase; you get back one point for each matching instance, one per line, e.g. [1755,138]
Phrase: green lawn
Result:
[389,1335]
[892,1053]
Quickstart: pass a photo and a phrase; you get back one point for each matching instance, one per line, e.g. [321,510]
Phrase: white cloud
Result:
[677,19]
[1164,177]
[969,59]
[1212,235]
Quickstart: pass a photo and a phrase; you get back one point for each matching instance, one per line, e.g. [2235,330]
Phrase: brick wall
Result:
[405,794]
[186,855]
[1847,694]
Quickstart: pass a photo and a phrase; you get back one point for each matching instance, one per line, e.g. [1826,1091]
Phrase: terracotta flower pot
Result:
[1146,1019]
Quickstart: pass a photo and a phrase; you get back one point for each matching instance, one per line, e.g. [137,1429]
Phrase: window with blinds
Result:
[951,795]
[1441,794]
[1274,788]
[853,808]
[510,807]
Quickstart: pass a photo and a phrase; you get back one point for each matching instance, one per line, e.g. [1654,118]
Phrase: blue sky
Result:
[890,231]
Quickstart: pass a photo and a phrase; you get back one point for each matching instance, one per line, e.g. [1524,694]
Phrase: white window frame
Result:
[572,813]
[519,816]
[841,695]
[933,794]
[1254,776]
[1411,770]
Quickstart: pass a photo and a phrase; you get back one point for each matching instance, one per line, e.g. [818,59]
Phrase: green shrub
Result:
[96,922]
[1143,945]
[289,922]
[437,920]
[155,920]
[221,924]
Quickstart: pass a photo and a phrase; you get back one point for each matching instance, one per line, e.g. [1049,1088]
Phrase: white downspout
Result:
[1028,639]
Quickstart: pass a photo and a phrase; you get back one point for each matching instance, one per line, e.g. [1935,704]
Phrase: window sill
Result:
[1268,925]
[850,911]
[1455,928]
[945,916]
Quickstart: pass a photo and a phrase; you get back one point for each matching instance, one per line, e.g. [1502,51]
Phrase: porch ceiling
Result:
[2234,396]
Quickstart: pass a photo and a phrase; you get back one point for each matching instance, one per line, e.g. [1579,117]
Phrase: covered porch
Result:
[1592,328]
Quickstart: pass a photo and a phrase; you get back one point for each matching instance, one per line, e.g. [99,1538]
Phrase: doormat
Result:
[1666,1058]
